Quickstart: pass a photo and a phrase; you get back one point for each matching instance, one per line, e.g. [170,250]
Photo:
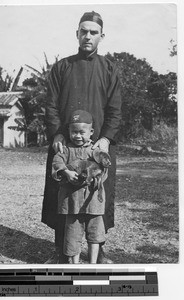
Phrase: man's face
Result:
[89,36]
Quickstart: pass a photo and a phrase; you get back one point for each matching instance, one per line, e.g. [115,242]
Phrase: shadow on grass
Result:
[153,200]
[172,254]
[150,204]
[157,219]
[148,254]
[28,249]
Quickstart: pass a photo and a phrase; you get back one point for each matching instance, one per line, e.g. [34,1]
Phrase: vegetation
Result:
[34,100]
[149,99]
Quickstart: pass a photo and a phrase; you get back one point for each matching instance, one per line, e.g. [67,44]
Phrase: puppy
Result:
[92,171]
[89,169]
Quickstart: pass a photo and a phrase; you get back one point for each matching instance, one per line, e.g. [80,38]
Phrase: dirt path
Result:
[146,210]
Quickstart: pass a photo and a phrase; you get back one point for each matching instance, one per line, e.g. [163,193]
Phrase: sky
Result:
[144,30]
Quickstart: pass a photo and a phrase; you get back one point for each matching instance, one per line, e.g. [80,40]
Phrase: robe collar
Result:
[84,55]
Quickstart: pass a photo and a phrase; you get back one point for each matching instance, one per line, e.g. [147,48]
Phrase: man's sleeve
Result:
[53,122]
[59,164]
[112,117]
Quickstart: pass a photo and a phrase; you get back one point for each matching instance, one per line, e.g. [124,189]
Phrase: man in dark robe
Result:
[89,82]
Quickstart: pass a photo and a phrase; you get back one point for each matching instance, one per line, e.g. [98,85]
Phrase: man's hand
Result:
[58,143]
[72,176]
[103,144]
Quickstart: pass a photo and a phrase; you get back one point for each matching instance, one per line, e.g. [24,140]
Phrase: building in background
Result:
[11,111]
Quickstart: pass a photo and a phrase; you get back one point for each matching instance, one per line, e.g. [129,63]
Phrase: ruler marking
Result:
[124,277]
[76,282]
[91,282]
[89,278]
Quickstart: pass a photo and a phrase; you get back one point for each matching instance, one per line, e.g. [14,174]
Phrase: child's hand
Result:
[72,176]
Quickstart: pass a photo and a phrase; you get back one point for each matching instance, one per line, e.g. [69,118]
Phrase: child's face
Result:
[80,133]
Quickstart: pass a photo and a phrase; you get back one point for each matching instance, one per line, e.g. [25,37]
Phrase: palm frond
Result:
[35,70]
[46,61]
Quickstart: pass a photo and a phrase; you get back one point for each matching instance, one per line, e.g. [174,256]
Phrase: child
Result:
[80,200]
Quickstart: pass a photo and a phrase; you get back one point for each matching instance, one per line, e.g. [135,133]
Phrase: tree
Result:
[173,49]
[162,90]
[136,105]
[146,95]
[34,101]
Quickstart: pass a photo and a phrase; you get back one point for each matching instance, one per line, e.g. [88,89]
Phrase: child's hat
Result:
[81,116]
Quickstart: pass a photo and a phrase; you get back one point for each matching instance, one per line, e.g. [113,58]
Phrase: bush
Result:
[162,135]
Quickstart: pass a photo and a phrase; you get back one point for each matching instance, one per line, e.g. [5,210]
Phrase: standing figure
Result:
[81,196]
[90,82]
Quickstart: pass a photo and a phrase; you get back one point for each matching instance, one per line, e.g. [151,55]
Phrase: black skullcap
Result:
[92,16]
[81,116]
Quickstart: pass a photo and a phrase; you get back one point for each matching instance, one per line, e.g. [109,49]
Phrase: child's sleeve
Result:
[59,164]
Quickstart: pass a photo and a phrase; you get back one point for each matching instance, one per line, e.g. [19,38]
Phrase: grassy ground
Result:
[146,209]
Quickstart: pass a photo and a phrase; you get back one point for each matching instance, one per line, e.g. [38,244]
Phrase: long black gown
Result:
[92,84]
